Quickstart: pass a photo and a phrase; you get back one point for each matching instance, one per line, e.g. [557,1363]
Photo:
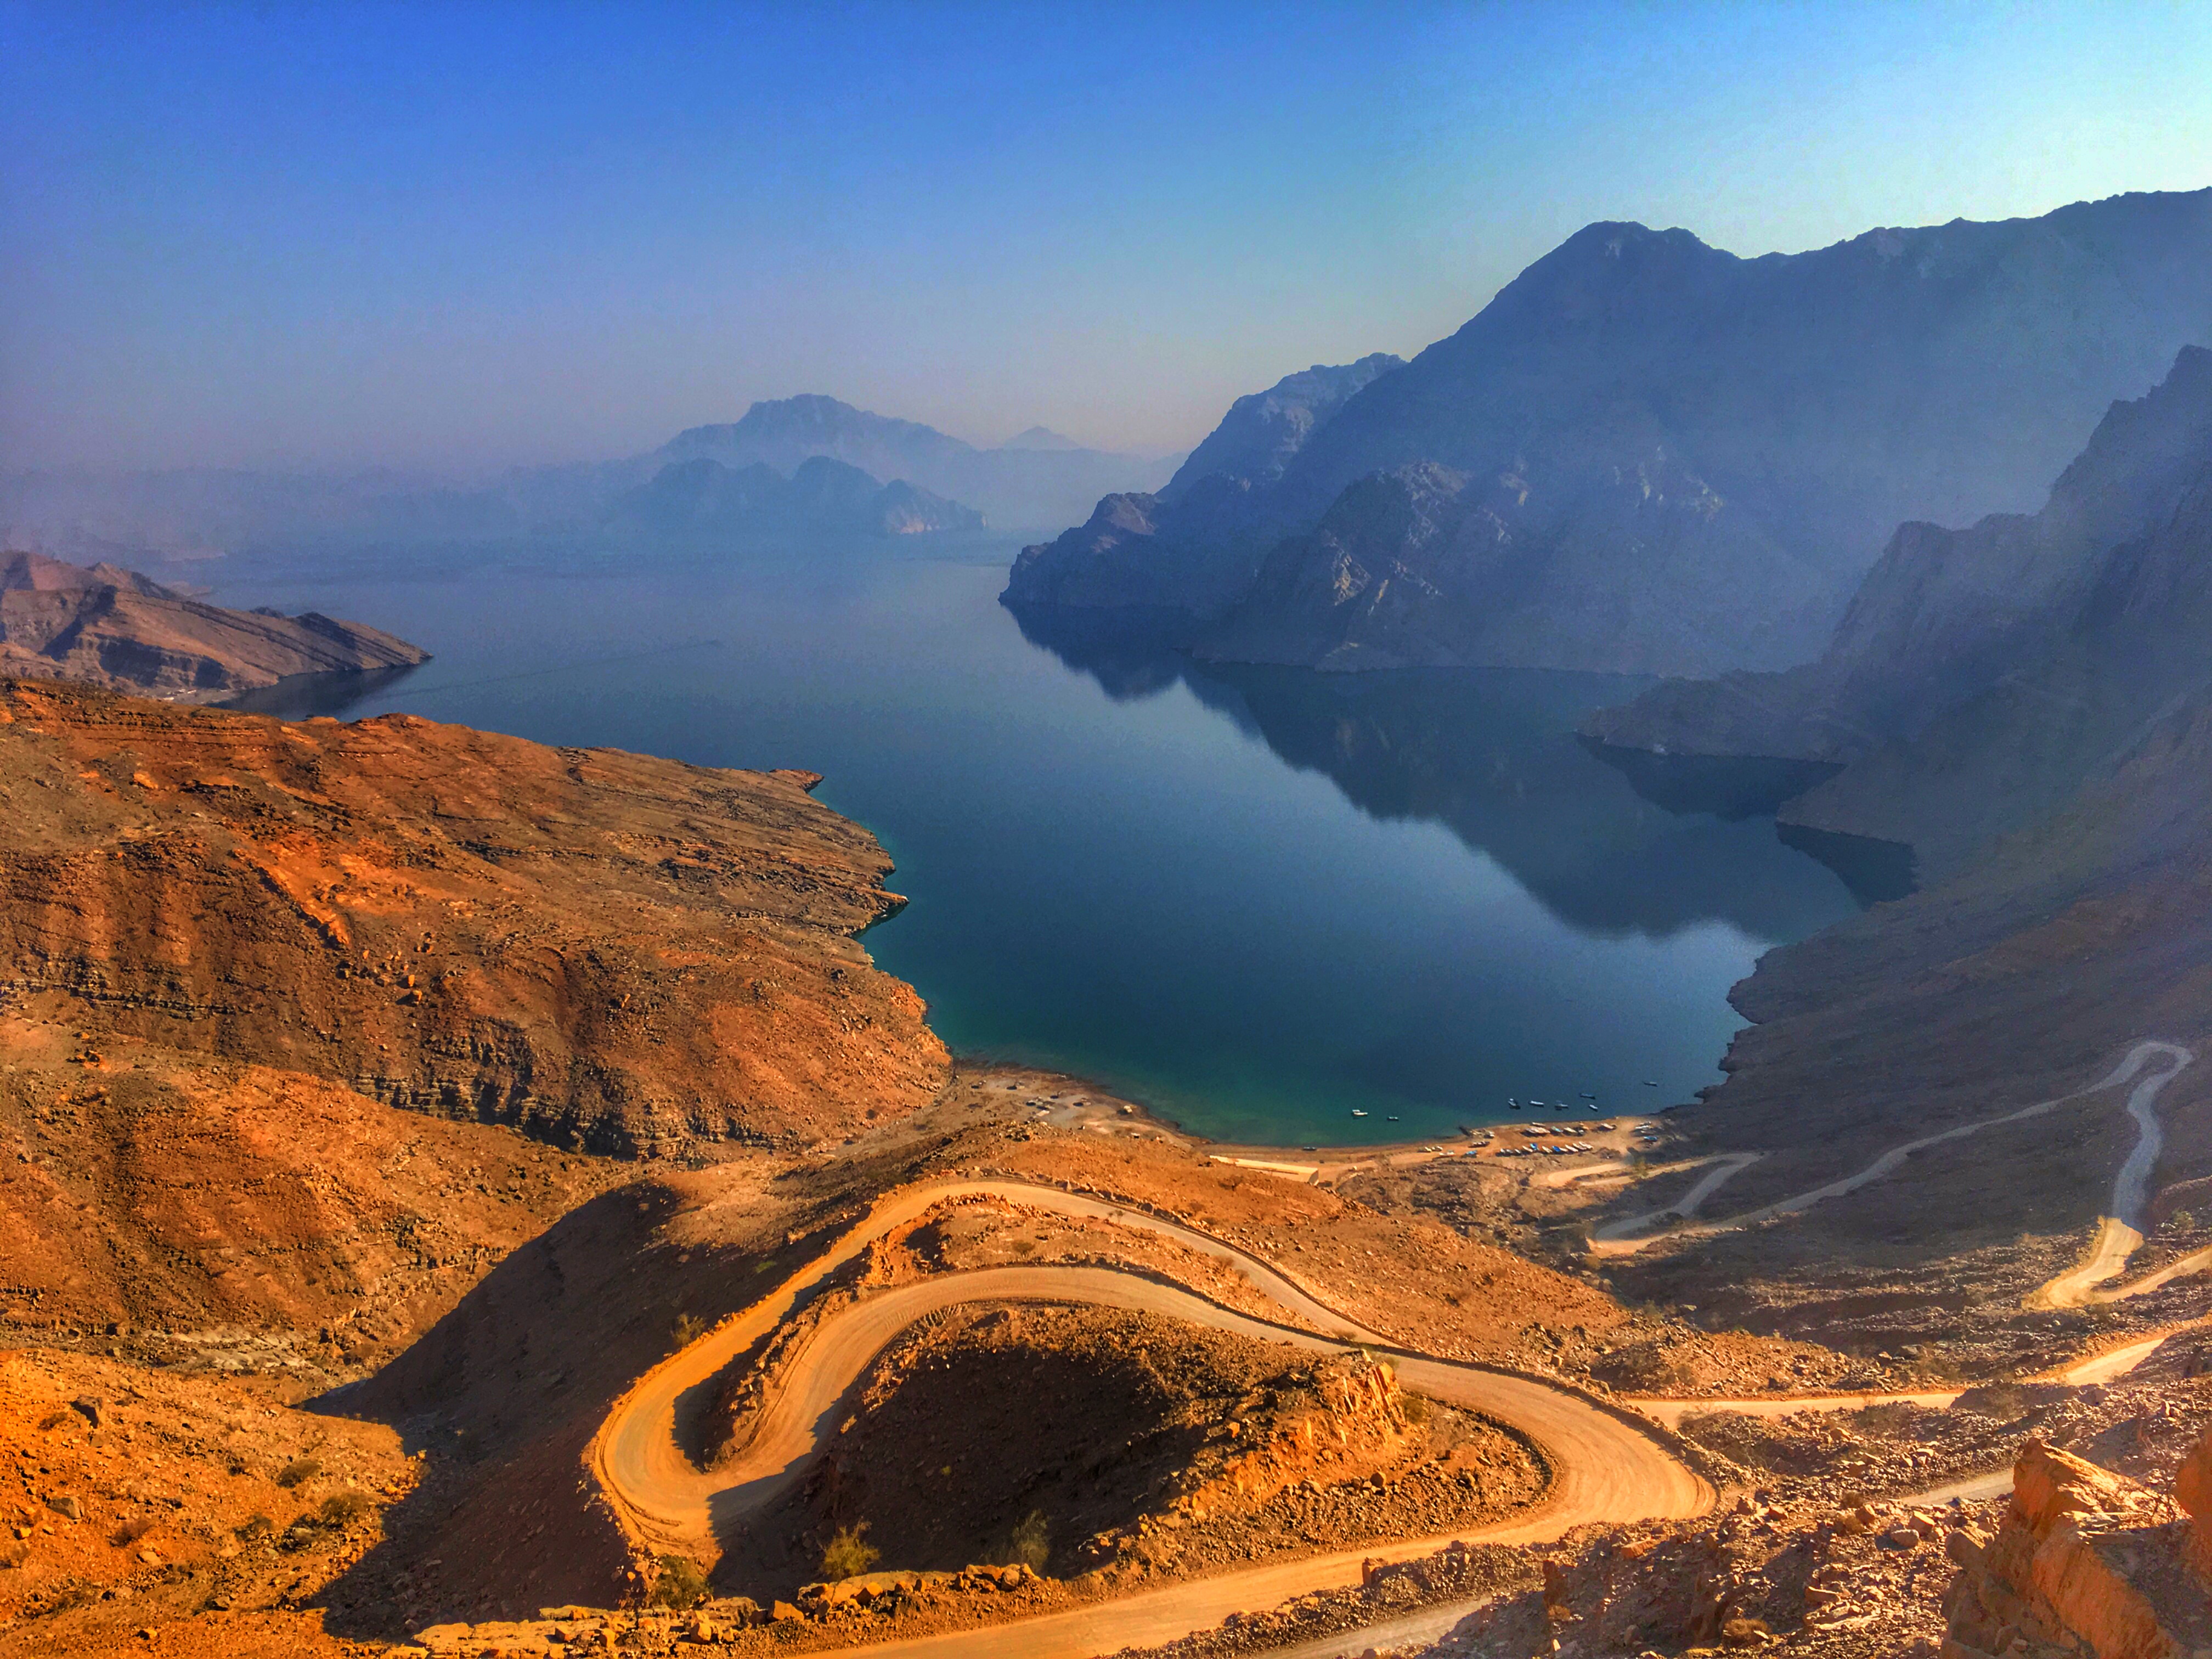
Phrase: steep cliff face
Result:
[114,627]
[608,950]
[1575,561]
[1982,676]
[1263,431]
[1673,455]
[1946,613]
[1163,561]
[2084,1566]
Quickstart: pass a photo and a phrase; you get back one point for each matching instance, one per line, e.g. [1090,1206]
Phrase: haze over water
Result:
[1256,900]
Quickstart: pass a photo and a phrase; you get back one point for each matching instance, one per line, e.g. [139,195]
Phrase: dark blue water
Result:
[1255,900]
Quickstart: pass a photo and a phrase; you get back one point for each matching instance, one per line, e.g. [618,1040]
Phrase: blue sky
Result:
[461,236]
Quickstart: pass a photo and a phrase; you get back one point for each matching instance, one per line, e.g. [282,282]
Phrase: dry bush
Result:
[847,1556]
[1031,1544]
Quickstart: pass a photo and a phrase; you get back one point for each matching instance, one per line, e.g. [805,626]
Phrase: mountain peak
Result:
[1042,437]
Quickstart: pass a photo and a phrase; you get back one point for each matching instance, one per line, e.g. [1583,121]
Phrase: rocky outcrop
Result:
[702,500]
[606,949]
[110,627]
[1677,458]
[2085,1565]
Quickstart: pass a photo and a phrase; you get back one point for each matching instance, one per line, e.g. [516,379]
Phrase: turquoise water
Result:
[1255,900]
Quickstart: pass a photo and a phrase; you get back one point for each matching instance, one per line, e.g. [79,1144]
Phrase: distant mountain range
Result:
[110,627]
[1646,454]
[1039,479]
[936,483]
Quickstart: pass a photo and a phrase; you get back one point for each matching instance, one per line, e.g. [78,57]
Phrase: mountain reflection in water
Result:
[1492,755]
[1254,899]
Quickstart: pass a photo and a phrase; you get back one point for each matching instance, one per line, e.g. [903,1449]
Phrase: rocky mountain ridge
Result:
[1982,676]
[86,514]
[110,627]
[1646,453]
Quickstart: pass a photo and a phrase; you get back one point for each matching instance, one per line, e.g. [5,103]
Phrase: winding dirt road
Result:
[2120,1234]
[1627,1237]
[1605,1466]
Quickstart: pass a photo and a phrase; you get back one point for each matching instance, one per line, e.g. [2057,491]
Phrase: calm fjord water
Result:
[1254,899]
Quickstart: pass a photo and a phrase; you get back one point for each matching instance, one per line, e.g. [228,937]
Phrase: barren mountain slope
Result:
[187,1516]
[209,1214]
[609,950]
[113,628]
[2020,980]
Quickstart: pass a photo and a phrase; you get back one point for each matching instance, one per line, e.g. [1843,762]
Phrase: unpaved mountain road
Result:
[1604,1466]
[2117,1240]
[2119,1235]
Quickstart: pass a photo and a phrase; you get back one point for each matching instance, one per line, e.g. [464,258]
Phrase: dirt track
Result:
[1605,1468]
[2111,1252]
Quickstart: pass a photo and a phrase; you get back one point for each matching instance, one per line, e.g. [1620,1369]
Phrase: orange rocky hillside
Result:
[612,952]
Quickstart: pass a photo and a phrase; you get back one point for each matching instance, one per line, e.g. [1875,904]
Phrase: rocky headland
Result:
[608,950]
[110,627]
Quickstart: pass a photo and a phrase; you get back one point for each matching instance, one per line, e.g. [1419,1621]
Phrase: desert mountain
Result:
[1024,482]
[703,499]
[110,627]
[609,951]
[1263,431]
[1648,454]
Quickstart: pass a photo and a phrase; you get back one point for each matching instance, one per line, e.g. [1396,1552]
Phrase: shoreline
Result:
[1063,1100]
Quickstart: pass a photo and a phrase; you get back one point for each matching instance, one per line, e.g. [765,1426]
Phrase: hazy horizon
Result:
[441,243]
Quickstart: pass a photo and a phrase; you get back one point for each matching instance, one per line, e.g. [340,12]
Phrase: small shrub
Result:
[1031,1546]
[687,1330]
[298,1472]
[130,1532]
[253,1531]
[340,1507]
[847,1556]
[1025,1247]
[682,1583]
[1415,1407]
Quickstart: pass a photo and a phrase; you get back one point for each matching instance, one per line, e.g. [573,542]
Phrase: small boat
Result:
[1589,1094]
[1356,1112]
[1515,1104]
[1650,1082]
[1392,1118]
